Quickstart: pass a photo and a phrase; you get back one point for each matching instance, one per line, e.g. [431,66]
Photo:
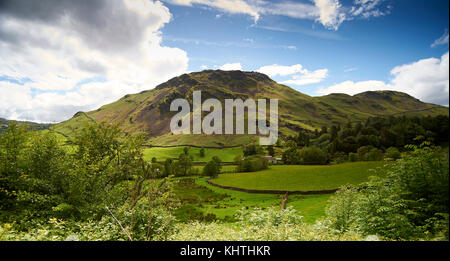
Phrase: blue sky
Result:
[63,56]
[360,50]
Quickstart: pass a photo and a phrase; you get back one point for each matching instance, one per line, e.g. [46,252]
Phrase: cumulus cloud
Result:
[231,67]
[330,13]
[281,70]
[308,77]
[352,88]
[60,46]
[441,40]
[298,74]
[426,79]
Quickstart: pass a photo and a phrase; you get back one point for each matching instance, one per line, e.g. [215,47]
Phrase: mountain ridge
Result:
[149,111]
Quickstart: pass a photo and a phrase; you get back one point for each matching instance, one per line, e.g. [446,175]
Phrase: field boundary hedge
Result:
[264,191]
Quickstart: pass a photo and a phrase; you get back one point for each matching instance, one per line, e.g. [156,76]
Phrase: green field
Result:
[161,154]
[301,177]
[202,201]
[199,199]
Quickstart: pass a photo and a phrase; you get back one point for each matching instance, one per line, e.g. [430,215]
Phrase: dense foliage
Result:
[101,173]
[213,167]
[251,163]
[100,188]
[372,140]
[409,203]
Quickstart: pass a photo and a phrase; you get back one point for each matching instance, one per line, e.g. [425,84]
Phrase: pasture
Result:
[302,177]
[161,154]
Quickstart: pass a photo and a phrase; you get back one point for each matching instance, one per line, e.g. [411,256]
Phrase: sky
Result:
[58,57]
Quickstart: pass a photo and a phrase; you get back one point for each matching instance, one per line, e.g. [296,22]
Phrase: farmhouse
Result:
[272,160]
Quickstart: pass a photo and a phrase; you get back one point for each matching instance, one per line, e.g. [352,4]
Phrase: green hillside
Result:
[149,112]
[4,123]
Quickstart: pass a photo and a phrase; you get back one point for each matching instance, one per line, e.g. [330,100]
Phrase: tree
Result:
[352,157]
[291,155]
[184,164]
[409,199]
[213,167]
[202,152]
[252,149]
[313,156]
[169,168]
[252,163]
[392,153]
[270,150]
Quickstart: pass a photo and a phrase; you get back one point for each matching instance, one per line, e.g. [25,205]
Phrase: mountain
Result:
[149,111]
[4,123]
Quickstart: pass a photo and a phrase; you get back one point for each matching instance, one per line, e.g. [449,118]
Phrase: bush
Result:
[374,155]
[313,156]
[183,166]
[392,153]
[253,149]
[213,167]
[362,151]
[352,157]
[409,203]
[252,163]
[291,156]
[339,157]
[202,152]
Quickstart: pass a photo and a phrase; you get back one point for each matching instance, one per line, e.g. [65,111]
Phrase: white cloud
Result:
[231,67]
[426,79]
[352,88]
[119,41]
[299,75]
[229,6]
[330,13]
[308,78]
[368,8]
[203,67]
[287,8]
[280,70]
[441,40]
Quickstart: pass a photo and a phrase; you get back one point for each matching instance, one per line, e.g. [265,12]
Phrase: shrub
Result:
[183,166]
[213,167]
[291,156]
[409,202]
[252,163]
[352,157]
[313,156]
[392,153]
[202,152]
[362,151]
[253,149]
[374,155]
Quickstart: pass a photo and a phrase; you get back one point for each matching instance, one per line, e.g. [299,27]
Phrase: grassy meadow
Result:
[161,154]
[302,177]
[202,201]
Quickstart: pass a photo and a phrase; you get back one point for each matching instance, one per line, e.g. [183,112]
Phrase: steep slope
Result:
[149,111]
